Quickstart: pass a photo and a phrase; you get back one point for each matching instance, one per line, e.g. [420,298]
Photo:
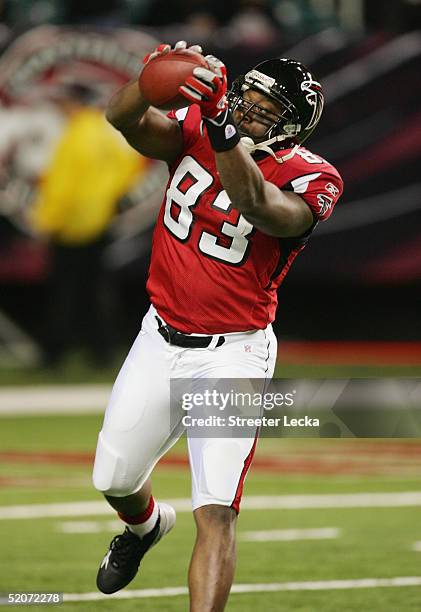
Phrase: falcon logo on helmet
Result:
[297,94]
[313,89]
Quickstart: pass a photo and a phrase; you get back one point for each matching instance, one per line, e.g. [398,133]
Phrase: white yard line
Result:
[320,585]
[289,535]
[272,535]
[88,526]
[91,508]
[274,502]
[416,546]
[93,398]
[341,500]
[53,399]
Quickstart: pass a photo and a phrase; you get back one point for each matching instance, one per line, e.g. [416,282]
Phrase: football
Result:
[161,77]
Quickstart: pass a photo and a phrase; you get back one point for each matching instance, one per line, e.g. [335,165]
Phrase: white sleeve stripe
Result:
[301,183]
[181,113]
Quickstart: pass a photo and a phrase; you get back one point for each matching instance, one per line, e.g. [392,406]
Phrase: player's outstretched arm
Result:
[144,127]
[275,212]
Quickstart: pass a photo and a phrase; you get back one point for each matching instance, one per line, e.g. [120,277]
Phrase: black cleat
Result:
[126,551]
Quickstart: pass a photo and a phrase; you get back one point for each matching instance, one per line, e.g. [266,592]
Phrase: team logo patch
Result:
[247,348]
[230,131]
[325,203]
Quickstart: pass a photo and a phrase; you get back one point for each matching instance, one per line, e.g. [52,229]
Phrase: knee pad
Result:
[110,474]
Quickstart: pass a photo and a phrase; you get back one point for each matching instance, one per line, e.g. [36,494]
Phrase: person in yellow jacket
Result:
[92,168]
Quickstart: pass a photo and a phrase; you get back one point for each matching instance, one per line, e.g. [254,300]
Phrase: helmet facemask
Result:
[282,124]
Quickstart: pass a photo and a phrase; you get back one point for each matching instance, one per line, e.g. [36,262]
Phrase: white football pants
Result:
[138,428]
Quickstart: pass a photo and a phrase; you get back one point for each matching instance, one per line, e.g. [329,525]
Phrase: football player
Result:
[242,200]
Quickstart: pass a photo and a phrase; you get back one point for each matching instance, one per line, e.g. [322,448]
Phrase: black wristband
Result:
[222,131]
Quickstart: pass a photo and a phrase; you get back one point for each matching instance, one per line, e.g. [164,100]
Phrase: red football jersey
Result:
[211,270]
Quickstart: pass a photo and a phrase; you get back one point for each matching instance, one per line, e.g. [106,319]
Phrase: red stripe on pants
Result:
[247,462]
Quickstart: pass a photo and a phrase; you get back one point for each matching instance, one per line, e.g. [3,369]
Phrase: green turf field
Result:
[52,554]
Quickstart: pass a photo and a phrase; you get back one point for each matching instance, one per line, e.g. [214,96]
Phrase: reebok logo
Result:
[332,189]
[230,131]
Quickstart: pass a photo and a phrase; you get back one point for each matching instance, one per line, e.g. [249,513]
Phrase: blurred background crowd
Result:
[77,205]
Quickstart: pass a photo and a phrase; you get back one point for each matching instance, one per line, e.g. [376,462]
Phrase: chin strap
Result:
[264,146]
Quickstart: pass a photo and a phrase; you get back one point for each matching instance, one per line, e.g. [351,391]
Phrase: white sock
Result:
[144,522]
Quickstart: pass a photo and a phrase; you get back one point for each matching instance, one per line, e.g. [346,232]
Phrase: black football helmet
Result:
[292,86]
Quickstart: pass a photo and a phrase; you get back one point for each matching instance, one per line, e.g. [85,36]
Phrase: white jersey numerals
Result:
[234,254]
[199,180]
[309,157]
[184,200]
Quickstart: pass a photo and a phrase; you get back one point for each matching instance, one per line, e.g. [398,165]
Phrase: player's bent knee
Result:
[216,523]
[110,474]
[214,514]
